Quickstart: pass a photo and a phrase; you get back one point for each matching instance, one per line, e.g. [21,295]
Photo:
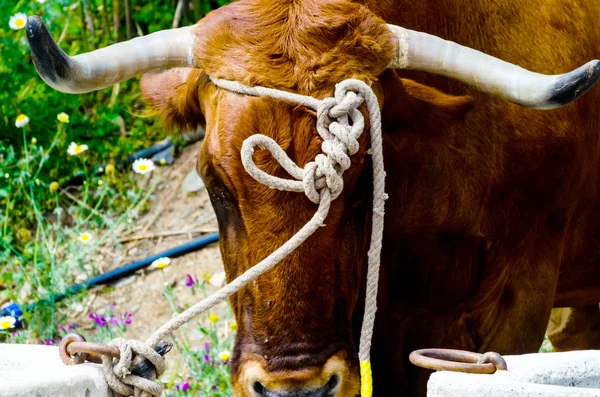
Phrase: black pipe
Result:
[14,310]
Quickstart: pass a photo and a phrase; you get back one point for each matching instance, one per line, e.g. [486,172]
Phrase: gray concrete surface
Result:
[37,371]
[567,374]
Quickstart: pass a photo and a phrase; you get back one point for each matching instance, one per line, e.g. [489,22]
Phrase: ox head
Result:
[296,323]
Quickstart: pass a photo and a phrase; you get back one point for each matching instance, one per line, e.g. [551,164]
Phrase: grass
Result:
[53,231]
[67,227]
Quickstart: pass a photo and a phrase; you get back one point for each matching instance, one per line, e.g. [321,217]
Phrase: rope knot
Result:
[339,123]
[124,374]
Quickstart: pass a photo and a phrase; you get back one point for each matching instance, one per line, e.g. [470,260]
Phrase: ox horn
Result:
[106,66]
[422,51]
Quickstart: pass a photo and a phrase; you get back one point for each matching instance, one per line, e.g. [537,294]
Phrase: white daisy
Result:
[7,322]
[143,166]
[225,355]
[21,121]
[75,149]
[86,237]
[161,263]
[18,21]
[41,1]
[63,117]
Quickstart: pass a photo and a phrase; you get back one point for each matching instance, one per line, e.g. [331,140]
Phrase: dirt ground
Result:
[175,217]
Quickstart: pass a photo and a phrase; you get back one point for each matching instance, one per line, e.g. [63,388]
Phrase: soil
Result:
[171,211]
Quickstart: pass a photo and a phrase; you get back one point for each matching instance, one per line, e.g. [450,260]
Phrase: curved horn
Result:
[421,51]
[106,66]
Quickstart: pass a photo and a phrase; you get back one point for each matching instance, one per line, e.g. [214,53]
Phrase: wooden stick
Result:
[116,19]
[89,20]
[166,234]
[84,205]
[128,19]
[105,23]
[178,14]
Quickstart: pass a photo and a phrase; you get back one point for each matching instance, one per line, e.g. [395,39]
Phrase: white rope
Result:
[339,123]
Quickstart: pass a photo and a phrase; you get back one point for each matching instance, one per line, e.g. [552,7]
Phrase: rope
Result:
[339,123]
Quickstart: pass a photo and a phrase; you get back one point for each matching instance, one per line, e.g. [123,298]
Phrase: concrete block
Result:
[565,374]
[37,371]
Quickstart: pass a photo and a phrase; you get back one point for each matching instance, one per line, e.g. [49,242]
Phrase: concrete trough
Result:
[37,371]
[565,374]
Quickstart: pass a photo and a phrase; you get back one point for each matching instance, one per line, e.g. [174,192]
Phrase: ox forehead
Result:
[462,243]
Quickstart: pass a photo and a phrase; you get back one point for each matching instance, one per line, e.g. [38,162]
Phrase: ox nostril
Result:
[332,383]
[258,388]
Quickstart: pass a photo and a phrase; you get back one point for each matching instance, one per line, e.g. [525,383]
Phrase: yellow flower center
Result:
[63,118]
[21,117]
[85,237]
[213,318]
[5,324]
[225,356]
[162,265]
[143,167]
[19,23]
[78,149]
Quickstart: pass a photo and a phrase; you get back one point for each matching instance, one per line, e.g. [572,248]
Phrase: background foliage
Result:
[43,209]
[108,120]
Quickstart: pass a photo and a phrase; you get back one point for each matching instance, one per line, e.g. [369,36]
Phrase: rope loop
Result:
[339,123]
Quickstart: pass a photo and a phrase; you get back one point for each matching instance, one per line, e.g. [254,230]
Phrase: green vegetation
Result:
[62,192]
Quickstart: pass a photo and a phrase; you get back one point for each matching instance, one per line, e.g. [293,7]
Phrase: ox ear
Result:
[174,95]
[415,105]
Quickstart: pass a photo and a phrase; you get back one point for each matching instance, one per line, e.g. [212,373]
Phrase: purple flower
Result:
[190,281]
[206,358]
[50,342]
[71,327]
[60,327]
[185,386]
[207,346]
[101,321]
[214,387]
[127,318]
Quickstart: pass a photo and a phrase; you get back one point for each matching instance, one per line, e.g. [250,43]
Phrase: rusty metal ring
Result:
[75,350]
[95,351]
[76,358]
[458,361]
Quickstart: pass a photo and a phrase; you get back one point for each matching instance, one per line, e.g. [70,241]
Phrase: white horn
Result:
[422,51]
[106,66]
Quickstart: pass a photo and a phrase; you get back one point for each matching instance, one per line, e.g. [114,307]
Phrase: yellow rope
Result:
[366,379]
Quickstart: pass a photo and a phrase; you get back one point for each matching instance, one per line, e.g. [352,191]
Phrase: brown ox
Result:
[493,213]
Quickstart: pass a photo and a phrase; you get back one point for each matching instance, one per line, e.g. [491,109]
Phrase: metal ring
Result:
[76,358]
[74,350]
[458,361]
[95,351]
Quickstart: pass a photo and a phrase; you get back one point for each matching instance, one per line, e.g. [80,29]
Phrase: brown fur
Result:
[493,213]
[576,328]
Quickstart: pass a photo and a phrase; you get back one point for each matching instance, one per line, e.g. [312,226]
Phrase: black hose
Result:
[14,310]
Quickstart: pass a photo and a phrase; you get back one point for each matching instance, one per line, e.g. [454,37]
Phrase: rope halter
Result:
[340,124]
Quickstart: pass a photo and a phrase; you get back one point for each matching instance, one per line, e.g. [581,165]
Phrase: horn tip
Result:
[574,84]
[33,26]
[51,63]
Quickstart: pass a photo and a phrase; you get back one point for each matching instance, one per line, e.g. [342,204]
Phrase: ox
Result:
[493,216]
